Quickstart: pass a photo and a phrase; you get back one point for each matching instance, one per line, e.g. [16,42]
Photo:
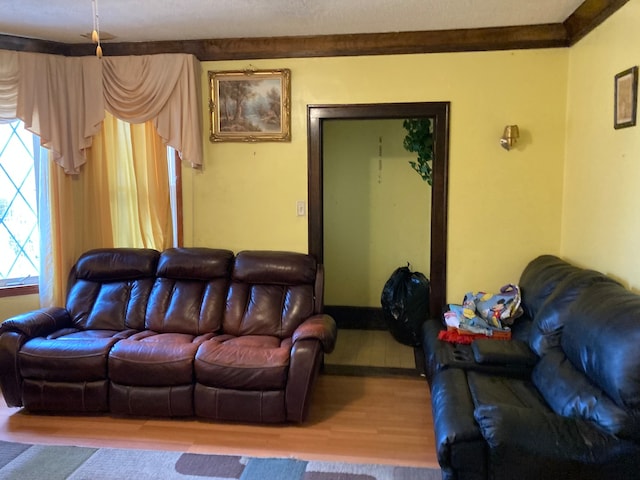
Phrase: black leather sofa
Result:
[561,400]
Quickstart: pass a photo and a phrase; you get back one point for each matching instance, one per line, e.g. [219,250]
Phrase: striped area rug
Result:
[25,462]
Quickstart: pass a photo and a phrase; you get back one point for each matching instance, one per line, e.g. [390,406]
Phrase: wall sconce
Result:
[510,137]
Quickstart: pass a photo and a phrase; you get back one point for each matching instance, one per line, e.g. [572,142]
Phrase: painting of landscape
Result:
[250,106]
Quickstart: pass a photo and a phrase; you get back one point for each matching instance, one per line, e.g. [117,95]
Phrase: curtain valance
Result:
[8,85]
[163,88]
[58,100]
[63,99]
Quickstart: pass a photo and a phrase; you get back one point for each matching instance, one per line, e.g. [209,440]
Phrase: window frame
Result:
[17,290]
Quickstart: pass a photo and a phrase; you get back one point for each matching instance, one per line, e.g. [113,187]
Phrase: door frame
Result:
[439,111]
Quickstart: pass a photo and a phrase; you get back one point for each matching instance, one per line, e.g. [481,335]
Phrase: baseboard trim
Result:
[360,318]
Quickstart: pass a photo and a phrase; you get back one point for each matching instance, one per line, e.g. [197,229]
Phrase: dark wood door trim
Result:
[439,111]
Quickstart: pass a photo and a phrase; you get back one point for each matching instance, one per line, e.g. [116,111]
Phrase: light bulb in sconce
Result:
[510,137]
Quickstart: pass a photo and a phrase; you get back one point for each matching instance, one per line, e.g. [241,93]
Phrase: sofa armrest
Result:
[306,360]
[502,352]
[38,323]
[321,327]
[460,448]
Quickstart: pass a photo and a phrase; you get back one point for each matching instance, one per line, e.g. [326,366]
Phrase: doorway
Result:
[439,113]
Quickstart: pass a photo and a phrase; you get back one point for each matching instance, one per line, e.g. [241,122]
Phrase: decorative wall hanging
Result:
[626,98]
[250,105]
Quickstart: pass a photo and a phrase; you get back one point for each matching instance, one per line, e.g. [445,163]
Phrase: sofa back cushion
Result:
[271,293]
[602,338]
[190,291]
[539,279]
[595,374]
[570,393]
[109,288]
[546,328]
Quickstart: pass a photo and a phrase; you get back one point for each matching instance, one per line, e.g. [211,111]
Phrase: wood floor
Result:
[371,348]
[383,420]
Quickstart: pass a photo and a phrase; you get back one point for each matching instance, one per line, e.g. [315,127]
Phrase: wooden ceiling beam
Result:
[587,17]
[538,36]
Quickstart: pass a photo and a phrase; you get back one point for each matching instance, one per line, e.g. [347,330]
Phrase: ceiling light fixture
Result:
[95,34]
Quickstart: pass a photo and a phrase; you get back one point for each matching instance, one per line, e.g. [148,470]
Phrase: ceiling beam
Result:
[587,17]
[21,44]
[506,38]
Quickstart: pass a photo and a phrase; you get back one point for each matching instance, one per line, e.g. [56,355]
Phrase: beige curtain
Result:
[133,159]
[61,215]
[59,99]
[119,195]
[63,99]
[120,199]
[163,88]
[8,85]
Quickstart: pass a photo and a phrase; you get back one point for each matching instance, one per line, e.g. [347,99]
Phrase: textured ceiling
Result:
[154,20]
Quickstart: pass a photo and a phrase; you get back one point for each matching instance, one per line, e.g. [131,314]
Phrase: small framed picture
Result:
[626,98]
[250,105]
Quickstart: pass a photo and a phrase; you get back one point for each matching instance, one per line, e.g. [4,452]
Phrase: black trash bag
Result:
[405,305]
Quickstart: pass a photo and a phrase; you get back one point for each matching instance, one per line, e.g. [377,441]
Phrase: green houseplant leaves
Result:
[419,140]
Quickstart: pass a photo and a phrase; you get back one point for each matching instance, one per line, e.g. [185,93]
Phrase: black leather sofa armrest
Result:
[514,359]
[526,443]
[459,442]
[321,327]
[432,347]
[503,352]
[38,323]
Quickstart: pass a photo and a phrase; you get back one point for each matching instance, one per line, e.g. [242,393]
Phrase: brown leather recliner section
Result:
[189,331]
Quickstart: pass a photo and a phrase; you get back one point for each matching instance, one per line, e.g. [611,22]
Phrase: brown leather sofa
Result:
[189,331]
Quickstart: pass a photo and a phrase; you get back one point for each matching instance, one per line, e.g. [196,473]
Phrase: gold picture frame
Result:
[250,105]
[626,98]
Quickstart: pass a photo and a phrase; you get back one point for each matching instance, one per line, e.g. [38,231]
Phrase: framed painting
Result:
[626,98]
[250,105]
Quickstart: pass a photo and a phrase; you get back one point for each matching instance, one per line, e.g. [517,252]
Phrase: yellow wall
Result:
[601,218]
[504,207]
[10,306]
[377,210]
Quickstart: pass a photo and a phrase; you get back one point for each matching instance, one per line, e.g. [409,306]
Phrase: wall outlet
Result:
[301,208]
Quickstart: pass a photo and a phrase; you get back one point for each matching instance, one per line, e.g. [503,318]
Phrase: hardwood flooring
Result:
[372,348]
[384,420]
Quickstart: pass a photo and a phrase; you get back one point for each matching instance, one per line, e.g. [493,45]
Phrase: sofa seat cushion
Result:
[69,358]
[155,359]
[249,362]
[74,333]
[487,390]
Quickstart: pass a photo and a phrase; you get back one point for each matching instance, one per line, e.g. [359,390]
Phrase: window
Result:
[19,237]
[20,157]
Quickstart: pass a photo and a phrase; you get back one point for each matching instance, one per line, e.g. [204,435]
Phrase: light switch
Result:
[301,208]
